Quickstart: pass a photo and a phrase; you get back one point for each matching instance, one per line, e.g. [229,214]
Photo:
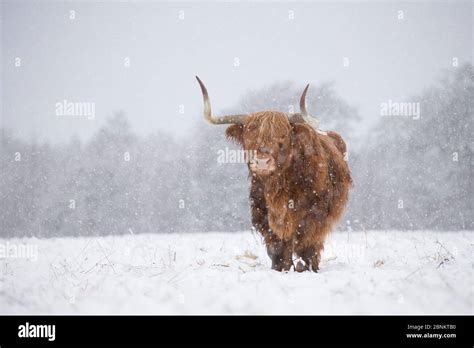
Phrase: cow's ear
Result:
[307,143]
[234,133]
[302,136]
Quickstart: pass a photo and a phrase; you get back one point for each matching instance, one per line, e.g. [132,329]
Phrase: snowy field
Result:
[380,272]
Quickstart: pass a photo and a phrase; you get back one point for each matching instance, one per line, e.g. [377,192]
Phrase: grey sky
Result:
[82,60]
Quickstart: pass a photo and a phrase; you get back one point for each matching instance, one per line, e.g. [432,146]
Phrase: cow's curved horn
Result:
[303,111]
[303,116]
[228,119]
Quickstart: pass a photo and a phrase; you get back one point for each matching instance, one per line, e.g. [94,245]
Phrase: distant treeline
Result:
[412,171]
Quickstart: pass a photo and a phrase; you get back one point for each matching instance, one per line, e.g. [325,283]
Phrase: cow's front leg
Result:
[280,253]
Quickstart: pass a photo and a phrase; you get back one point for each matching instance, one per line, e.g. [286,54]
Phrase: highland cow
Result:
[300,180]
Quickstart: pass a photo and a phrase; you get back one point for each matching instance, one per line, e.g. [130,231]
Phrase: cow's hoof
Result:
[300,267]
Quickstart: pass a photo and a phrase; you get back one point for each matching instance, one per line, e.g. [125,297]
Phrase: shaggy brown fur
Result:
[295,206]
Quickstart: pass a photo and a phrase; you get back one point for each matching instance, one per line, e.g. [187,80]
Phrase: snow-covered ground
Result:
[220,273]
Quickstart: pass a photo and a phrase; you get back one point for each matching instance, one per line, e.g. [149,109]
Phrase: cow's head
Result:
[267,134]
